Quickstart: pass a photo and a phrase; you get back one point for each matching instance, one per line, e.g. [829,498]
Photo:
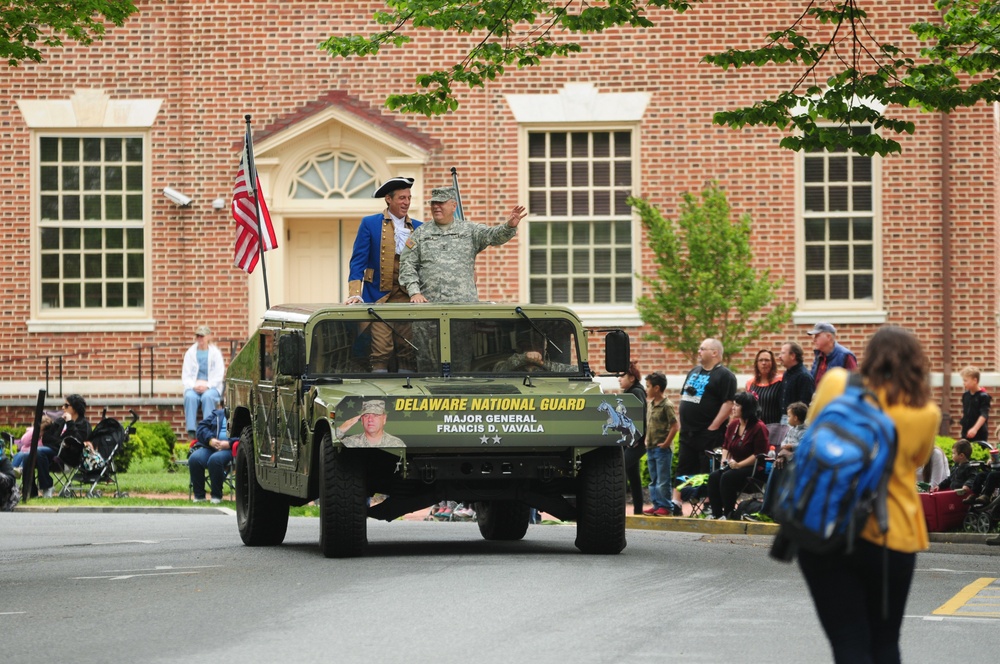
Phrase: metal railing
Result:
[60,361]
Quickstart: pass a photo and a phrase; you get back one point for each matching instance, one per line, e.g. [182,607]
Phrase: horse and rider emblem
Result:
[618,420]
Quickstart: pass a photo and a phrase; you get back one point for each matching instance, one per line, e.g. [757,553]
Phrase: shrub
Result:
[147,442]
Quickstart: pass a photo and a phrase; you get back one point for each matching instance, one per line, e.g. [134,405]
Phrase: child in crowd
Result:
[962,475]
[975,406]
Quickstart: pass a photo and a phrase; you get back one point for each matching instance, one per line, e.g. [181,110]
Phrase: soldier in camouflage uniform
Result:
[438,262]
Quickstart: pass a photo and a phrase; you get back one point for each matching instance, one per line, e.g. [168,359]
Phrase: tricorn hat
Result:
[391,185]
[373,407]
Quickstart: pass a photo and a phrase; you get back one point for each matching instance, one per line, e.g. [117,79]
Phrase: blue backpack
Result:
[839,474]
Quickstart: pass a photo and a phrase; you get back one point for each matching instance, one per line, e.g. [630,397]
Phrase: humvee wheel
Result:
[343,505]
[261,515]
[600,502]
[502,519]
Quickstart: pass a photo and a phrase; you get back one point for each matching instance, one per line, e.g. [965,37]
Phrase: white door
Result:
[318,259]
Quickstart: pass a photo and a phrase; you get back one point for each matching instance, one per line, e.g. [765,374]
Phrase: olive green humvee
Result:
[493,405]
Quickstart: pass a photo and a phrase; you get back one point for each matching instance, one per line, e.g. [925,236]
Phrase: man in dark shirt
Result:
[706,399]
[796,384]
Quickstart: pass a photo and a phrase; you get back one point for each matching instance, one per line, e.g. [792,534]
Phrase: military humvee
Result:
[490,404]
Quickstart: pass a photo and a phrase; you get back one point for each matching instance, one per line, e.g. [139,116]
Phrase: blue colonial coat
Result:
[373,256]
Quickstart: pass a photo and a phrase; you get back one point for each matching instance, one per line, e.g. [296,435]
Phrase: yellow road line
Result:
[954,605]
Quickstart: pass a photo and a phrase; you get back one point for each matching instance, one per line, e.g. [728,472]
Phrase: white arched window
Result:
[332,175]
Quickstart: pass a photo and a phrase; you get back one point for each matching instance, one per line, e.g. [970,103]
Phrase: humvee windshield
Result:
[478,346]
[484,346]
[344,346]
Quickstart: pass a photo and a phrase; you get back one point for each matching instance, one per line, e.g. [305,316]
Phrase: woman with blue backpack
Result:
[860,590]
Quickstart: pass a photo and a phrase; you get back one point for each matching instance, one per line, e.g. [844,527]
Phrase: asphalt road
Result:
[182,588]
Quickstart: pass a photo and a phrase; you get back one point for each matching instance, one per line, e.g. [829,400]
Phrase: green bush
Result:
[979,453]
[147,442]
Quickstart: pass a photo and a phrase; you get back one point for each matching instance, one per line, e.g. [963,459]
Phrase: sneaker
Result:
[47,493]
[649,511]
[722,518]
[463,512]
[709,517]
[17,472]
[198,500]
[661,511]
[216,501]
[677,510]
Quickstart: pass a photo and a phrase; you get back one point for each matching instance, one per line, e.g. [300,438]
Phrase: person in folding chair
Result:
[76,426]
[746,438]
[212,451]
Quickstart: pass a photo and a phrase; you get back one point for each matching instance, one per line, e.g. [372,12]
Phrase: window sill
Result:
[841,317]
[602,317]
[91,325]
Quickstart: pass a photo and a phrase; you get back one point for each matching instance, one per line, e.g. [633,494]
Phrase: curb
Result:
[137,509]
[715,527]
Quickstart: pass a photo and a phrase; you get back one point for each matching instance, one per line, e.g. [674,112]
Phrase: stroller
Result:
[109,438]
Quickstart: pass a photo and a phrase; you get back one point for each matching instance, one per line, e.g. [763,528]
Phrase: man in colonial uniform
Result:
[374,275]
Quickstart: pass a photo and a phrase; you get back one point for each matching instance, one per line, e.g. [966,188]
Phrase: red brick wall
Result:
[211,61]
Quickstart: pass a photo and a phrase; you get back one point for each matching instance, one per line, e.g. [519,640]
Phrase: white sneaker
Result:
[197,500]
[47,493]
[216,501]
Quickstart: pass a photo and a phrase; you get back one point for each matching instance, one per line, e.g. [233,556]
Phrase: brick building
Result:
[105,278]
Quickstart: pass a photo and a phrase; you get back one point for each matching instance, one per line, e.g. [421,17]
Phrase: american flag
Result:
[246,252]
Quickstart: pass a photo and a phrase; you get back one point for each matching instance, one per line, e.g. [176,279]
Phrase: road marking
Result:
[12,613]
[159,570]
[978,599]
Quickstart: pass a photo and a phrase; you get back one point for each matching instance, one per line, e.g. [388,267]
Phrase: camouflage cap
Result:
[373,407]
[443,194]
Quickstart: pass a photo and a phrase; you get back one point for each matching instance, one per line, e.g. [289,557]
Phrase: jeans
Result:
[848,593]
[659,461]
[215,461]
[42,463]
[192,400]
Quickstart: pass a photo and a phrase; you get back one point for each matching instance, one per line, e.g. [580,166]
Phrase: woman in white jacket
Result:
[202,376]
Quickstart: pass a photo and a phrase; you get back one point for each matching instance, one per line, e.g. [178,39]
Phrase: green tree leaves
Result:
[26,23]
[705,284]
[865,81]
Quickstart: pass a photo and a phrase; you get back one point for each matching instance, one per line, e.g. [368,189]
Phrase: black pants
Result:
[724,486]
[848,592]
[633,475]
[691,457]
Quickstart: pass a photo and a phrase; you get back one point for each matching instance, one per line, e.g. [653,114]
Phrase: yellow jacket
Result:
[915,431]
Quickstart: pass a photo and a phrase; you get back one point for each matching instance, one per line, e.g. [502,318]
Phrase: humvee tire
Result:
[343,505]
[502,519]
[600,502]
[261,515]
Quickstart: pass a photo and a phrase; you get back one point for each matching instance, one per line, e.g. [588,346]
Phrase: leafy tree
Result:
[956,67]
[25,23]
[706,285]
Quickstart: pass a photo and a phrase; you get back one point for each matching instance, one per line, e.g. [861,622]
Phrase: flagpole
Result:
[252,179]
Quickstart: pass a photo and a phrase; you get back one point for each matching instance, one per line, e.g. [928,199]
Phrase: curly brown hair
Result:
[895,361]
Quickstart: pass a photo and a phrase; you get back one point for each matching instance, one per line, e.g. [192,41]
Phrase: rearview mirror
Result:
[616,351]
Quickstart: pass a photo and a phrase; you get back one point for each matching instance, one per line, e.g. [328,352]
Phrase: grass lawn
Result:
[160,488]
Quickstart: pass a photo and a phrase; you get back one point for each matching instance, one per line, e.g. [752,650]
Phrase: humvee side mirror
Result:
[616,351]
[292,354]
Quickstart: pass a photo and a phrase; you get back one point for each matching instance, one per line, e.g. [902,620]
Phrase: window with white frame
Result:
[91,223]
[839,217]
[334,175]
[580,233]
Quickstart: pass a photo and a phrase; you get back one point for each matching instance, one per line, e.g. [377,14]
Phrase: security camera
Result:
[177,197]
